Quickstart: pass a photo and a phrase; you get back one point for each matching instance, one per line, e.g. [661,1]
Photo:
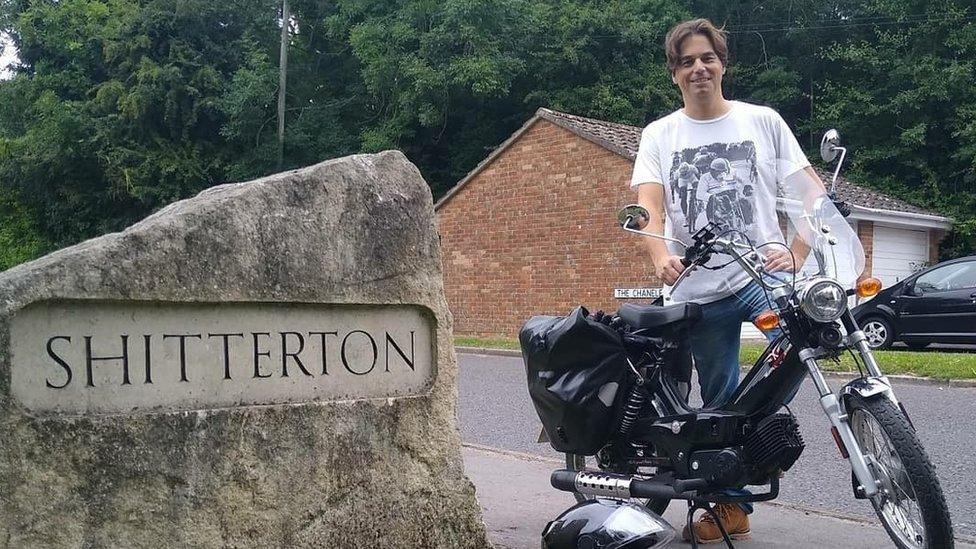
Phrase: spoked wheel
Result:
[910,502]
[577,462]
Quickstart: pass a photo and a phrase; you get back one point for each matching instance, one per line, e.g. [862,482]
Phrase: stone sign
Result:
[104,357]
[267,364]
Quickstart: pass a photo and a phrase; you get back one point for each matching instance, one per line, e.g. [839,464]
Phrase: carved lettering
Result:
[60,361]
[358,351]
[225,337]
[121,356]
[182,338]
[345,361]
[285,354]
[408,361]
[258,354]
[325,361]
[147,339]
[91,359]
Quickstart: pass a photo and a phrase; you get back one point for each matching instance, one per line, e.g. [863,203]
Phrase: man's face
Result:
[699,71]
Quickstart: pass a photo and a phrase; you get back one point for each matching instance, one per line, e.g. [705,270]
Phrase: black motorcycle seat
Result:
[650,317]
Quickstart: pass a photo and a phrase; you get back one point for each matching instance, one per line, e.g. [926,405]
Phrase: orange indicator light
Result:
[868,287]
[766,321]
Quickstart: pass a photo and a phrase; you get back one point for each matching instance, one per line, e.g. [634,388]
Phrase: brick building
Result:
[532,229]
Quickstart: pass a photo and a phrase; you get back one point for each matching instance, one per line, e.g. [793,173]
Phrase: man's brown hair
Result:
[704,27]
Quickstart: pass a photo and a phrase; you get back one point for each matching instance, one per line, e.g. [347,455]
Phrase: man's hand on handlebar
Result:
[669,268]
[778,259]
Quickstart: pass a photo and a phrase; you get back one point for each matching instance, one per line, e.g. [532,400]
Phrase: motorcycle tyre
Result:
[931,501]
[576,462]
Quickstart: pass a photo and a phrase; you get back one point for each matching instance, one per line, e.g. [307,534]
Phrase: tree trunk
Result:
[282,77]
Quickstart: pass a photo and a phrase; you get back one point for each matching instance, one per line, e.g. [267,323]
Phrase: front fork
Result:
[876,383]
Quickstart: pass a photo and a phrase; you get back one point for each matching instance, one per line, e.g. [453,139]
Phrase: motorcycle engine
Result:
[775,444]
[725,467]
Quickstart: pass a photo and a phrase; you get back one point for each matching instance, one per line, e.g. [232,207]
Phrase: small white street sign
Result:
[636,293]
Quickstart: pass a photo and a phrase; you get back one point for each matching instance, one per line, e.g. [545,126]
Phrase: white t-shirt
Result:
[725,171]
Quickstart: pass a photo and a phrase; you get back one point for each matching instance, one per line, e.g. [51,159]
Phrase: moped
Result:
[614,389]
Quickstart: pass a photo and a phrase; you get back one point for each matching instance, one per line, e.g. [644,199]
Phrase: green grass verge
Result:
[923,364]
[487,343]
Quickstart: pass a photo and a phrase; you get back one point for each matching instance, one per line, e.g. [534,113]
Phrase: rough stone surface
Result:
[368,473]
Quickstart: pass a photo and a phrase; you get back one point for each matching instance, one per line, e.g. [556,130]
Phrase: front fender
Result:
[866,388]
[871,387]
[881,309]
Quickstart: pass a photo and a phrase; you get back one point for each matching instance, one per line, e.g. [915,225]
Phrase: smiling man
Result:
[716,161]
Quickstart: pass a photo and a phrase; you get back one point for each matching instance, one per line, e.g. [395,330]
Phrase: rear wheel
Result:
[910,502]
[576,462]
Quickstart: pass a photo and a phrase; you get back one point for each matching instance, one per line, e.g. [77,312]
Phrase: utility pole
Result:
[282,77]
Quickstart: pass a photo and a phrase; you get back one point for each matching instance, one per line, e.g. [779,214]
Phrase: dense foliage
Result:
[121,106]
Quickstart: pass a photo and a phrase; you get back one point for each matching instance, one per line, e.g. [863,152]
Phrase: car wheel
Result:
[878,332]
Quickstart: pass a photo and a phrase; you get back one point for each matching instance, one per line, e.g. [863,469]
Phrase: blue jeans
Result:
[715,341]
[715,346]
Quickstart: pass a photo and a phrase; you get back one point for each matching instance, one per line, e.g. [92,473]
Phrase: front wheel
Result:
[576,462]
[910,502]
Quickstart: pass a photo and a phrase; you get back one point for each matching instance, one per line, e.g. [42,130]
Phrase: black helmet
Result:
[607,524]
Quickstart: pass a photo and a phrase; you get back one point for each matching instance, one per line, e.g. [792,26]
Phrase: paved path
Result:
[495,412]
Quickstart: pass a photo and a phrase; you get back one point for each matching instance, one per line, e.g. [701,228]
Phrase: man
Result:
[746,150]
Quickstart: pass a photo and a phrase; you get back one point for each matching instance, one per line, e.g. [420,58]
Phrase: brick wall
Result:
[935,238]
[865,232]
[535,233]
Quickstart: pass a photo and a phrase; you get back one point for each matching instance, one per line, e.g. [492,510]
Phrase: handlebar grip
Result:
[564,479]
[685,261]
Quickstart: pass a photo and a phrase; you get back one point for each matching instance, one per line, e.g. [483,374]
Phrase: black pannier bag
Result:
[574,366]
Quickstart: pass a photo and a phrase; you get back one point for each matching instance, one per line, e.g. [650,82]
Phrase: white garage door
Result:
[898,253]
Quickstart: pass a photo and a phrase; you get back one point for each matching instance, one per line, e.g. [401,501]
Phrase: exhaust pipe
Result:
[605,485]
[613,485]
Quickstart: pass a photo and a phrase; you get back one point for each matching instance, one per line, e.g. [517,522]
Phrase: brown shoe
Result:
[734,519]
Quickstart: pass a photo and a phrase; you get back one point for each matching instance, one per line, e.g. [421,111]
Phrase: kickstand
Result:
[707,507]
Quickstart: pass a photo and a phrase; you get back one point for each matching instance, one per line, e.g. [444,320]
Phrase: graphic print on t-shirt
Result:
[716,183]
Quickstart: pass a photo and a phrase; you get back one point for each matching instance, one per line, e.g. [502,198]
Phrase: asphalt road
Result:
[495,411]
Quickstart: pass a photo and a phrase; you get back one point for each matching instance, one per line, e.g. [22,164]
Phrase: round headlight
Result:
[824,301]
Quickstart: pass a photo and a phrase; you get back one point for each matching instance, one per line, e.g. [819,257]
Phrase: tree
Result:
[122,106]
[19,238]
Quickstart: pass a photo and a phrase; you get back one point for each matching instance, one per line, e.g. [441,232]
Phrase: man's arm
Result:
[777,258]
[667,267]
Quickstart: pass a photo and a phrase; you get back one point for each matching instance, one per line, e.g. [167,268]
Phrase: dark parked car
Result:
[937,305]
